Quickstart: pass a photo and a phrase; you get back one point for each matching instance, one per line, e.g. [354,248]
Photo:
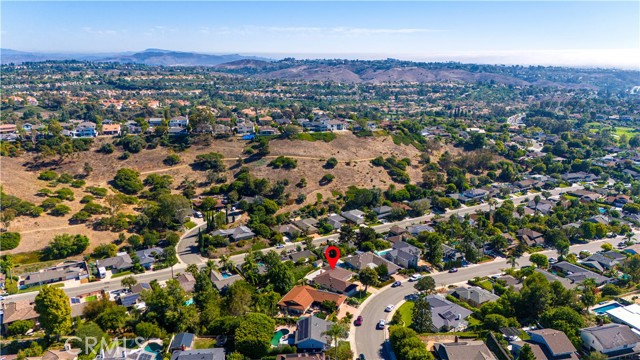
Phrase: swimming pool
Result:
[275,341]
[225,275]
[603,309]
[383,252]
[154,348]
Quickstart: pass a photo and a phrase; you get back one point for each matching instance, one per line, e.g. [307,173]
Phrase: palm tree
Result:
[492,203]
[192,269]
[336,332]
[513,261]
[225,263]
[628,235]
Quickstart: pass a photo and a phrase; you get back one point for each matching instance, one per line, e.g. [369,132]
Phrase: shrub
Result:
[172,160]
[107,148]
[97,191]
[60,210]
[65,194]
[78,183]
[326,179]
[284,162]
[128,181]
[87,198]
[50,203]
[80,217]
[65,178]
[20,327]
[331,163]
[133,144]
[48,175]
[9,240]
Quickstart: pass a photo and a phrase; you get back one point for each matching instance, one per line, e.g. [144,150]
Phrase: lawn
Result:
[189,225]
[405,311]
[360,296]
[486,284]
[121,274]
[38,288]
[204,343]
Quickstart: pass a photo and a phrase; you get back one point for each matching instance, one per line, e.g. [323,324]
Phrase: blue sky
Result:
[580,33]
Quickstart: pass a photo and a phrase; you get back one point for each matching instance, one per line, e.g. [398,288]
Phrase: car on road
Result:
[389,308]
[415,277]
[280,246]
[2,298]
[396,284]
[553,260]
[453,270]
[358,321]
[380,325]
[361,357]
[197,214]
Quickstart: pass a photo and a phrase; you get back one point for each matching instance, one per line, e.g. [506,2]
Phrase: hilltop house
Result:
[179,121]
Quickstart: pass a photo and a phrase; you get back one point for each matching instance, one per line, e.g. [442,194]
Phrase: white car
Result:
[380,325]
[415,277]
[280,246]
[389,308]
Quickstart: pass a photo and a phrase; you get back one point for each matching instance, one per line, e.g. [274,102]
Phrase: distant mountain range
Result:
[148,57]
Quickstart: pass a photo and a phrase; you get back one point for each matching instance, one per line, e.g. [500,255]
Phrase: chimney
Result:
[183,347]
[456,339]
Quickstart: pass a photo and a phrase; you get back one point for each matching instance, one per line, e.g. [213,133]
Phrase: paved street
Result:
[370,341]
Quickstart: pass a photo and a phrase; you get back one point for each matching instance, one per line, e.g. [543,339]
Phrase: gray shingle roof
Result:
[201,354]
[612,336]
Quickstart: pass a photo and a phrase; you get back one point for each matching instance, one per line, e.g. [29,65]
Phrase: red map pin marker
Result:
[333,255]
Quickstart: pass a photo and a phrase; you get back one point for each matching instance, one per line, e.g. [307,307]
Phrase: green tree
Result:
[211,161]
[595,355]
[281,277]
[113,318]
[421,315]
[253,336]
[20,327]
[434,251]
[149,330]
[129,282]
[526,353]
[239,298]
[128,181]
[65,245]
[54,311]
[331,163]
[104,251]
[564,319]
[87,332]
[368,277]
[336,332]
[426,285]
[540,260]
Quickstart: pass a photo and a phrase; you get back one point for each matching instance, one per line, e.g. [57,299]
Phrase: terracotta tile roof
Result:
[302,297]
[22,310]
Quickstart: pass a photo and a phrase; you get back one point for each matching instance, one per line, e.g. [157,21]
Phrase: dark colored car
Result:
[361,357]
[396,284]
[358,321]
[452,270]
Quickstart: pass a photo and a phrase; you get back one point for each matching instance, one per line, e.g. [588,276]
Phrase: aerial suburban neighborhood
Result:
[174,205]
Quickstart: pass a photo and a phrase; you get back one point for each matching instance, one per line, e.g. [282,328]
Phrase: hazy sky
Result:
[542,32]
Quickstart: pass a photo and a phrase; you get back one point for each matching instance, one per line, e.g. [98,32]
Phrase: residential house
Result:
[301,298]
[361,260]
[140,287]
[111,129]
[628,315]
[179,122]
[148,257]
[14,311]
[336,280]
[579,177]
[187,281]
[447,316]
[599,219]
[451,254]
[530,237]
[382,211]
[8,128]
[308,226]
[177,131]
[578,274]
[304,256]
[222,280]
[129,300]
[283,121]
[538,353]
[199,354]
[117,263]
[554,343]
[415,230]
[68,271]
[235,234]
[404,255]
[475,194]
[267,130]
[509,281]
[85,129]
[65,354]
[543,206]
[586,195]
[553,277]
[132,127]
[355,216]
[221,130]
[288,230]
[301,356]
[619,200]
[528,184]
[608,259]
[474,296]
[464,350]
[336,221]
[397,230]
[182,341]
[616,341]
[310,334]
[245,128]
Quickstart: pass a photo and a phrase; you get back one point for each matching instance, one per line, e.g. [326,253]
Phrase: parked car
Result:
[361,357]
[552,260]
[415,277]
[280,246]
[197,214]
[453,270]
[396,284]
[380,325]
[358,321]
[389,308]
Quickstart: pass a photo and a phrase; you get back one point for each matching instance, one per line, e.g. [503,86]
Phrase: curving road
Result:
[372,343]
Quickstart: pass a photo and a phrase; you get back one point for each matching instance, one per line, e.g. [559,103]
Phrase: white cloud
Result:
[92,31]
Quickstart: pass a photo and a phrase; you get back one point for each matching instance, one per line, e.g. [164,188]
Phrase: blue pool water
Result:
[154,348]
[603,309]
[225,275]
[383,252]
